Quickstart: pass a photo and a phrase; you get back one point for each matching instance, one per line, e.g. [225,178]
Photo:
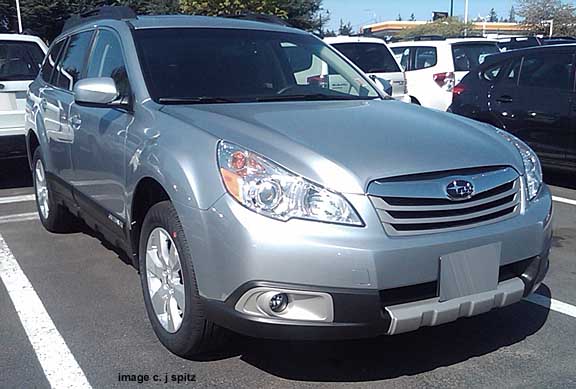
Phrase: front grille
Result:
[421,206]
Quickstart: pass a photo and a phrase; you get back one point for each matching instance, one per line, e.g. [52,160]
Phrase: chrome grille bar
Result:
[429,210]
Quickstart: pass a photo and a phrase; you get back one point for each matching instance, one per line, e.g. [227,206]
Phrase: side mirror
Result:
[98,91]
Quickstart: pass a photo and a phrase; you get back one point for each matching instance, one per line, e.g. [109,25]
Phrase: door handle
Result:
[43,104]
[505,99]
[75,122]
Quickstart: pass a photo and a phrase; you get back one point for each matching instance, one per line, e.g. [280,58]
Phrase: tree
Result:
[447,27]
[512,15]
[412,17]
[537,12]
[399,18]
[345,29]
[304,14]
[493,17]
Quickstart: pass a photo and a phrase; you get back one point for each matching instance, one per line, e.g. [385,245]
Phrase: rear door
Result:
[57,100]
[19,65]
[467,56]
[375,59]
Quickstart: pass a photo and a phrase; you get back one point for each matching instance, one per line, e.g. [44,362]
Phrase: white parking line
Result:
[553,305]
[20,217]
[17,199]
[59,365]
[563,200]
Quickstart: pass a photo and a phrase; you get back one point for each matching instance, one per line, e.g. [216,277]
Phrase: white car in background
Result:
[434,66]
[374,58]
[20,59]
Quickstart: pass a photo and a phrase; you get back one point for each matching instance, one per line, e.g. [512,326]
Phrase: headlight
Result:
[264,187]
[532,167]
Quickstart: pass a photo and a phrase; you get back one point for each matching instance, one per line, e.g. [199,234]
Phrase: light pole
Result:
[19,16]
[466,18]
[551,23]
[451,8]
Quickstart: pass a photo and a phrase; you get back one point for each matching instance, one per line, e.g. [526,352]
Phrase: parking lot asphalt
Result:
[94,302]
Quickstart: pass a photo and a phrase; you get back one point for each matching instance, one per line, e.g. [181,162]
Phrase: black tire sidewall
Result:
[189,336]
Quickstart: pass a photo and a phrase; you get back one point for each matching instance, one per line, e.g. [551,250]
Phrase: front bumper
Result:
[379,284]
[363,313]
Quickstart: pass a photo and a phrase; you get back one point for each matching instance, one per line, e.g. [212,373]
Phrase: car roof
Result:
[20,37]
[449,41]
[495,58]
[352,39]
[189,21]
[24,38]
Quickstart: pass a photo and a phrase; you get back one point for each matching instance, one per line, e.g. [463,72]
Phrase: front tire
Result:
[53,216]
[169,285]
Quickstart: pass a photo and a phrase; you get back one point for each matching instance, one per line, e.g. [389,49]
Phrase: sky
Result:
[361,12]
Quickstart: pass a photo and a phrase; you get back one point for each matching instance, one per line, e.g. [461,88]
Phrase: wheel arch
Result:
[147,192]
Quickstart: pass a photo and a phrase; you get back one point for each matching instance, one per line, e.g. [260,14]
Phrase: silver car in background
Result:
[255,199]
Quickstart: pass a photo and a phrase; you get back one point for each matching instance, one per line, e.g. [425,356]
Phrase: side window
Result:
[402,55]
[547,71]
[107,61]
[50,61]
[424,57]
[492,73]
[69,69]
[511,75]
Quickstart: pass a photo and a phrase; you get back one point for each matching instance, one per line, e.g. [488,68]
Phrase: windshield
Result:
[194,65]
[19,61]
[370,57]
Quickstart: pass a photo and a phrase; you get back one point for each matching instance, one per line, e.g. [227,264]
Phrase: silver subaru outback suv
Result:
[261,193]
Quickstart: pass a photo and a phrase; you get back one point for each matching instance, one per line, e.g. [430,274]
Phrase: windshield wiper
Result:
[311,97]
[195,100]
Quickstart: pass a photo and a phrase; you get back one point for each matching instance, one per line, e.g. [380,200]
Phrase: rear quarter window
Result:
[424,57]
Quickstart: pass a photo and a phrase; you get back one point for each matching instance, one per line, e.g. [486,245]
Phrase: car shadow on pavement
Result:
[400,355]
[15,173]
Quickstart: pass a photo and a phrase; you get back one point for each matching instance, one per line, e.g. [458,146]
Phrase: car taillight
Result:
[459,89]
[321,81]
[445,80]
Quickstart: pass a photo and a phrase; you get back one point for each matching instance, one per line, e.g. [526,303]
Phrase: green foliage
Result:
[535,12]
[512,15]
[304,14]
[493,17]
[412,17]
[448,27]
[46,17]
[345,29]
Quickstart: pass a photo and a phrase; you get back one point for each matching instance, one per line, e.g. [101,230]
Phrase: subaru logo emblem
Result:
[460,190]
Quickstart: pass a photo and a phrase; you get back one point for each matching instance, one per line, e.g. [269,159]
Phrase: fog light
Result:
[279,302]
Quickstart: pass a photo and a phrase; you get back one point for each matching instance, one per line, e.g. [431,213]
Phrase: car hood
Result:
[344,145]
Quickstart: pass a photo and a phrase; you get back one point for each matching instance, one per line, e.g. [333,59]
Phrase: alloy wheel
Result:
[165,280]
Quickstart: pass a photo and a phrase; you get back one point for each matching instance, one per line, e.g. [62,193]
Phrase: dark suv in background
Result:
[530,93]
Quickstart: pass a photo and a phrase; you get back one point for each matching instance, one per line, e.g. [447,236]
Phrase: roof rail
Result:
[100,13]
[256,17]
[428,38]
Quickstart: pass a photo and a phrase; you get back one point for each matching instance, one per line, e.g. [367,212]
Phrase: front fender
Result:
[179,157]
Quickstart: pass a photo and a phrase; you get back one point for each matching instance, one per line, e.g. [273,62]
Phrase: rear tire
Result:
[53,216]
[167,276]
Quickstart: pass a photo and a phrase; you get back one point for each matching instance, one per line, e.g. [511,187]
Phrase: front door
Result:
[545,93]
[98,151]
